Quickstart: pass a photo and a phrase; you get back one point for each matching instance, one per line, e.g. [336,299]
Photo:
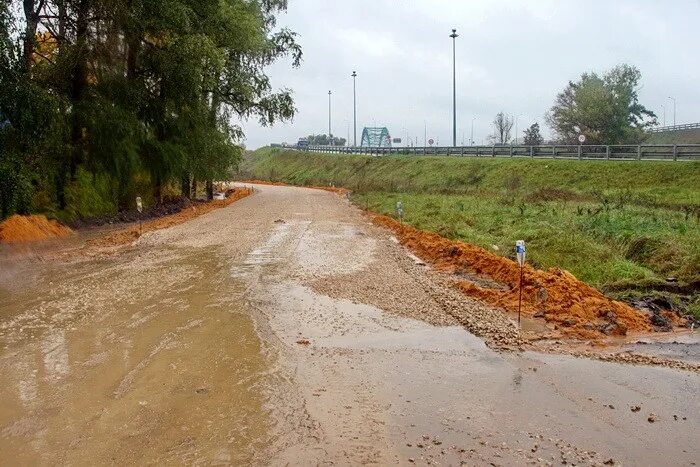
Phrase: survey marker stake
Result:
[399,211]
[520,254]
[139,208]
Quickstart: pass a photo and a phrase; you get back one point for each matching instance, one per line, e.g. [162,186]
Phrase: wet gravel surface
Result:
[286,329]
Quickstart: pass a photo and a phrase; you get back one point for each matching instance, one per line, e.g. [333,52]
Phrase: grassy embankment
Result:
[623,227]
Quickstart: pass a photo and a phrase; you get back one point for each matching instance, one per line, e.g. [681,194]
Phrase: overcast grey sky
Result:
[512,55]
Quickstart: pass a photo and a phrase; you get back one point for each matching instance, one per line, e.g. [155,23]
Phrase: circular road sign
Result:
[430,141]
[581,138]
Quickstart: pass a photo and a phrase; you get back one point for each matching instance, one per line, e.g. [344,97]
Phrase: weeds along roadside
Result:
[626,228]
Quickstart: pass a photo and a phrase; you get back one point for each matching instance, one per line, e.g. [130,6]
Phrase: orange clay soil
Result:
[578,309]
[332,189]
[17,229]
[130,234]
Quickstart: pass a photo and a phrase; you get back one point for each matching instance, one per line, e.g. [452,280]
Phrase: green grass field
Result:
[621,226]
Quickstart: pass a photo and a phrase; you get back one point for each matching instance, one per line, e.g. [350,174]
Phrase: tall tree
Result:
[605,109]
[502,126]
[532,135]
[134,90]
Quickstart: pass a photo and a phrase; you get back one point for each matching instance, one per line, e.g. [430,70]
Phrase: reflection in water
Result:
[182,355]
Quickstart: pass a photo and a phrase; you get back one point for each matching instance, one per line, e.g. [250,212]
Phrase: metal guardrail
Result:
[643,152]
[684,126]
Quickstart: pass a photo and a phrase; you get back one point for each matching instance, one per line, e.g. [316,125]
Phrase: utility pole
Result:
[674,110]
[472,137]
[454,89]
[516,128]
[354,111]
[663,107]
[329,118]
[425,133]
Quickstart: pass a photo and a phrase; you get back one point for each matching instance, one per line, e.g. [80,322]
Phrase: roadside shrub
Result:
[89,196]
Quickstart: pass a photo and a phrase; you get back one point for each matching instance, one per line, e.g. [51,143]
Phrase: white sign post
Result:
[399,210]
[139,208]
[520,255]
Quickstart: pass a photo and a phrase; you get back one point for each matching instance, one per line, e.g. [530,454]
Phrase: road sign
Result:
[581,139]
[520,251]
[430,141]
[396,140]
[139,204]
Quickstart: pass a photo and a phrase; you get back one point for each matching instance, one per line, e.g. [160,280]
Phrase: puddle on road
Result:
[144,361]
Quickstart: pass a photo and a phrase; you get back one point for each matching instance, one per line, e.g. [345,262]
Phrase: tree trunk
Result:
[158,190]
[78,85]
[210,190]
[194,188]
[31,16]
[185,187]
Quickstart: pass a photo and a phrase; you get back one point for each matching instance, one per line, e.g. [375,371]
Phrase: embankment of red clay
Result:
[577,309]
[19,229]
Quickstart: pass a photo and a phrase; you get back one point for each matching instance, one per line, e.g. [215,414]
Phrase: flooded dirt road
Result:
[286,329]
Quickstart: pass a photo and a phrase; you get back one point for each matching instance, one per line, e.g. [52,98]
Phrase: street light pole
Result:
[354,111]
[663,107]
[329,118]
[472,136]
[674,110]
[516,128]
[454,89]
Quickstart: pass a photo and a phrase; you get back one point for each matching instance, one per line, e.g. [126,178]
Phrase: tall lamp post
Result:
[329,118]
[663,107]
[472,136]
[516,128]
[354,111]
[674,110]
[454,89]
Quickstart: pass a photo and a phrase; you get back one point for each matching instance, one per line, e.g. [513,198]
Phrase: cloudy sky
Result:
[512,56]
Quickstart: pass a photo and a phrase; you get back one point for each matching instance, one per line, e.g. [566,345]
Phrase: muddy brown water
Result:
[206,343]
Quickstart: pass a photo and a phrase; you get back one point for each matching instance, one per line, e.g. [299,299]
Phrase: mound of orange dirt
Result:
[332,189]
[555,295]
[17,229]
[130,234]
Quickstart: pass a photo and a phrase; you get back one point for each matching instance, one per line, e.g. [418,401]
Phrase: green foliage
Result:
[605,109]
[323,140]
[122,92]
[532,135]
[90,195]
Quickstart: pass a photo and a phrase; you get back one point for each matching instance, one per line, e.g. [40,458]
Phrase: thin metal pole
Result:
[472,137]
[664,109]
[454,88]
[329,117]
[354,110]
[520,298]
[674,110]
